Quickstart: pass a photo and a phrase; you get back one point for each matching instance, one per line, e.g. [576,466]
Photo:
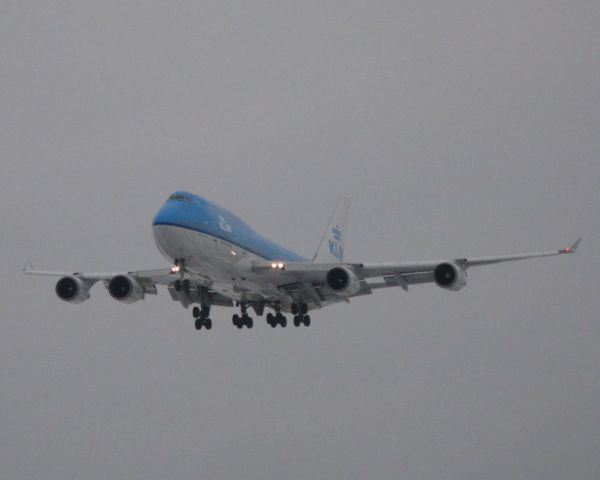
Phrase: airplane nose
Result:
[175,212]
[166,215]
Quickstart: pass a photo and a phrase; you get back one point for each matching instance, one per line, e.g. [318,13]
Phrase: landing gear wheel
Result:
[303,308]
[236,321]
[271,320]
[248,321]
[307,320]
[296,321]
[283,321]
[177,285]
[295,308]
[196,312]
[203,322]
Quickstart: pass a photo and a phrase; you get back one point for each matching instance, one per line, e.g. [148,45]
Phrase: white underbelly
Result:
[214,259]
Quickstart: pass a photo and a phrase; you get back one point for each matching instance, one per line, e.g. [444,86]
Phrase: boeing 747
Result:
[218,260]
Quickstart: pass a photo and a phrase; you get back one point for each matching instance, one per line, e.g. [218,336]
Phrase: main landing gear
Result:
[277,319]
[301,319]
[202,317]
[300,312]
[243,321]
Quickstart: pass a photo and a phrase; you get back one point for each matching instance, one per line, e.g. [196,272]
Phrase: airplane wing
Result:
[356,279]
[422,268]
[159,276]
[147,280]
[318,284]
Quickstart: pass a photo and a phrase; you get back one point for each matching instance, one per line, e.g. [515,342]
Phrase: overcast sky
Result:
[459,128]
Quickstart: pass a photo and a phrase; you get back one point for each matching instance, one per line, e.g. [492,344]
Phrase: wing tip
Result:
[572,248]
[28,267]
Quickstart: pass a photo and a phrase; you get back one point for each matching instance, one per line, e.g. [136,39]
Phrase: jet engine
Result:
[125,289]
[450,276]
[72,289]
[342,281]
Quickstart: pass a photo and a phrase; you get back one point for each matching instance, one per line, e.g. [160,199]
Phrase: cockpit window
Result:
[179,198]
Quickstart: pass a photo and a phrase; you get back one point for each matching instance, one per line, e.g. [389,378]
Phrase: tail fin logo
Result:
[334,246]
[337,233]
[331,248]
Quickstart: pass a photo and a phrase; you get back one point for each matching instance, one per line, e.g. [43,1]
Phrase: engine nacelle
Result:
[72,289]
[125,289]
[450,276]
[342,281]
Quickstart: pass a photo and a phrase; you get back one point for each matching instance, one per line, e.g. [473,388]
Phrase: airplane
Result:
[219,260]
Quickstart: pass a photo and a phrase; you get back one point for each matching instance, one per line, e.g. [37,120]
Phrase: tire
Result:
[196,312]
[208,323]
[307,320]
[296,321]
[198,324]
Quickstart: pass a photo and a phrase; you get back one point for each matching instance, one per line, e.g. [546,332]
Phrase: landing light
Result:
[175,269]
[277,265]
[567,250]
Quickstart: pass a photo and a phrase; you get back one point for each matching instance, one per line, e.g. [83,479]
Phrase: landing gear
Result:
[302,319]
[202,317]
[182,285]
[300,312]
[206,323]
[299,308]
[277,319]
[244,320]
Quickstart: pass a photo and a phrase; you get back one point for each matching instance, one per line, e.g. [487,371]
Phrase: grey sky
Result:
[459,128]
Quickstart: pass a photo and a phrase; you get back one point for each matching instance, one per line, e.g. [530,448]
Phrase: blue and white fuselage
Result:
[218,246]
